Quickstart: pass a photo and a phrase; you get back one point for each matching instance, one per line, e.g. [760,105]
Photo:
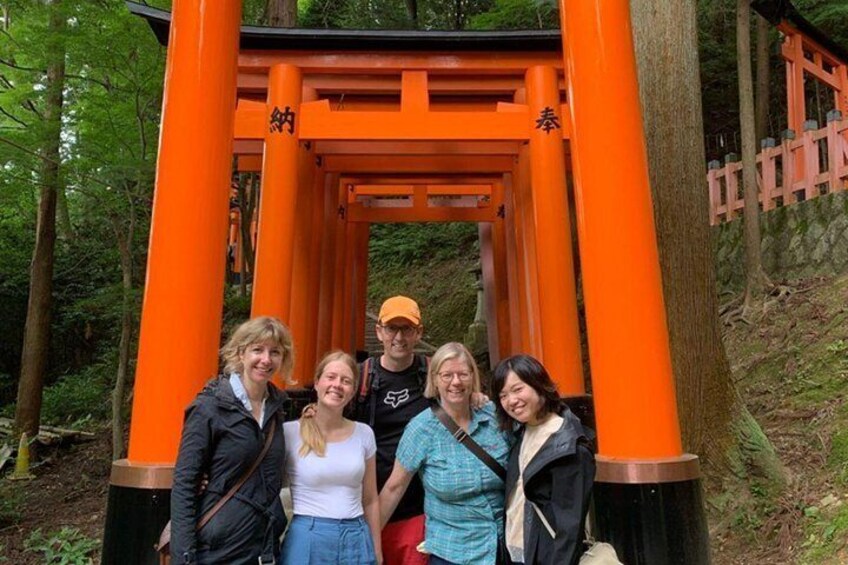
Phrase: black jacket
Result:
[559,481]
[222,439]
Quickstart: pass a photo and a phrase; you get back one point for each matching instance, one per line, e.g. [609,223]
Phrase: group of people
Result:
[400,461]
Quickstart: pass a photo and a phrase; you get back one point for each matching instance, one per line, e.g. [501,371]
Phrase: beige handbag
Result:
[600,553]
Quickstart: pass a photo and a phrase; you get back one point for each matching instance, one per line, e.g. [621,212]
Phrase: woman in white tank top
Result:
[331,470]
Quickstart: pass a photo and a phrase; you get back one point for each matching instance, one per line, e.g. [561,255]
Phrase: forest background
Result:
[109,70]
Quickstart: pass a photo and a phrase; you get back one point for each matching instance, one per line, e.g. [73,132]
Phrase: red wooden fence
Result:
[795,170]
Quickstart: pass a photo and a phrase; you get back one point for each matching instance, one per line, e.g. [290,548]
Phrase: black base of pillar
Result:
[134,519]
[653,523]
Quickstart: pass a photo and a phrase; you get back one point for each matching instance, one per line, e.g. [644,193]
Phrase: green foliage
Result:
[67,546]
[390,14]
[431,263]
[405,245]
[825,530]
[518,14]
[77,397]
[11,499]
[236,311]
[109,136]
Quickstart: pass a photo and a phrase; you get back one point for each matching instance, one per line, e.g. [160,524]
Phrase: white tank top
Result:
[329,486]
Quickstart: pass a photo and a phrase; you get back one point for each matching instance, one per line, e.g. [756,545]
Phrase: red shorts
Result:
[400,540]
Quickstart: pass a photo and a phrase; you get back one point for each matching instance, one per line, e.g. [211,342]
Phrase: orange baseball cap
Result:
[400,307]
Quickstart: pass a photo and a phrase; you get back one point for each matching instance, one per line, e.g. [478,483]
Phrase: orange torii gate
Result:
[351,128]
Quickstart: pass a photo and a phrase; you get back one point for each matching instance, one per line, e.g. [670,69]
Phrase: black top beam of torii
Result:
[288,39]
[261,38]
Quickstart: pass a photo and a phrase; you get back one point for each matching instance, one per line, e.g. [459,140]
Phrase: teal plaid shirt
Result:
[463,498]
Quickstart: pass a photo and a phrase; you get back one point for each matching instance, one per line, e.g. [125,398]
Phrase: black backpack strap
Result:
[365,378]
[466,441]
[366,403]
[423,368]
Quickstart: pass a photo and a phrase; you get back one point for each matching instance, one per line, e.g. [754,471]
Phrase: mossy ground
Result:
[791,368]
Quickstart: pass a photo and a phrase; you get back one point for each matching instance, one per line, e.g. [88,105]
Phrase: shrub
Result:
[68,546]
[74,397]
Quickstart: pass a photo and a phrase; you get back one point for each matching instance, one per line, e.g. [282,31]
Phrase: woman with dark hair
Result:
[551,467]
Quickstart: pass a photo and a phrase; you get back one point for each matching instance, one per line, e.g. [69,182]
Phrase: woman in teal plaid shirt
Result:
[464,498]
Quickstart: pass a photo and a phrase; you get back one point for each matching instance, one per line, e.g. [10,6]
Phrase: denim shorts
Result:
[326,541]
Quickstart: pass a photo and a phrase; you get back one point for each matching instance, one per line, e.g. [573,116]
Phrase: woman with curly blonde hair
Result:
[226,428]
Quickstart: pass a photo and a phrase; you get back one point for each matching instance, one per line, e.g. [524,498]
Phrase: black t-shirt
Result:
[398,398]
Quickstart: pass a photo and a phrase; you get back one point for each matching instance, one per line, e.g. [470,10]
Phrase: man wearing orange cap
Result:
[391,393]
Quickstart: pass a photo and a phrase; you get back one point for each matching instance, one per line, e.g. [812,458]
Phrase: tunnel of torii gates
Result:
[351,128]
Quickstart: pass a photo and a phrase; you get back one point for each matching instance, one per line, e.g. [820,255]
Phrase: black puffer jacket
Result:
[222,439]
[559,481]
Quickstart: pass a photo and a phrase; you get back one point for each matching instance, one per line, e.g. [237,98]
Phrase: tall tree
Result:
[763,76]
[117,112]
[37,329]
[715,422]
[281,13]
[756,280]
[412,12]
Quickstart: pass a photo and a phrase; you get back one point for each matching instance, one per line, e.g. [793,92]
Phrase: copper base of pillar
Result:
[126,473]
[634,471]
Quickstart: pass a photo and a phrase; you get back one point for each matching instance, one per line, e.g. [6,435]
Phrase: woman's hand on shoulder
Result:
[478,400]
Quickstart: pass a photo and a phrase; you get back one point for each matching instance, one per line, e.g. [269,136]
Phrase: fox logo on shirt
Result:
[395,398]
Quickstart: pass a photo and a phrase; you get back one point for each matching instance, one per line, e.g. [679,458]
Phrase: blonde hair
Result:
[311,438]
[258,330]
[447,352]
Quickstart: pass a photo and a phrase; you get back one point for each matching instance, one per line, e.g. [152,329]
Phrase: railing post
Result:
[769,173]
[787,139]
[834,153]
[810,158]
[732,168]
[714,187]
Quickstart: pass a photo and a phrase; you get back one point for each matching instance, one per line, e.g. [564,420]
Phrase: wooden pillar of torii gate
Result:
[183,296]
[647,493]
[646,486]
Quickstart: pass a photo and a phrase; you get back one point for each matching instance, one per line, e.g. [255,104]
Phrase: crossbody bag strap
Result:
[544,521]
[466,440]
[230,493]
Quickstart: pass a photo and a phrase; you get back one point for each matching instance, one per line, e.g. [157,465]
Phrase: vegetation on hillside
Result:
[792,370]
[432,263]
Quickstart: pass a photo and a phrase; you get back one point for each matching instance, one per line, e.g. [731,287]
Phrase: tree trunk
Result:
[712,414]
[248,189]
[63,215]
[755,278]
[125,247]
[412,12]
[37,327]
[763,76]
[281,13]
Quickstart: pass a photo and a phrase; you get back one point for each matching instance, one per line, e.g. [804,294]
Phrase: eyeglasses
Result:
[448,377]
[405,331]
